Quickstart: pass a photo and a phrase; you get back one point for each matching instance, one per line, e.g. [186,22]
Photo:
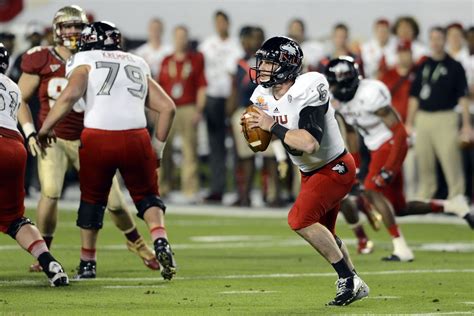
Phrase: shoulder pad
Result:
[34,60]
[374,94]
[311,89]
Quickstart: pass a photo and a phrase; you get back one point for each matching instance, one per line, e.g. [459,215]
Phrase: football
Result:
[257,138]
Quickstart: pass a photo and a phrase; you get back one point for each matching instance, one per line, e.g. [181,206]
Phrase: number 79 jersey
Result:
[116,90]
[371,96]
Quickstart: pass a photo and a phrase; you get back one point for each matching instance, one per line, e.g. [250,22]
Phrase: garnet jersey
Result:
[116,90]
[371,96]
[10,97]
[309,89]
[46,63]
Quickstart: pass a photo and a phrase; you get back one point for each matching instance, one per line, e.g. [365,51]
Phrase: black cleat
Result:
[56,274]
[164,255]
[396,258]
[86,270]
[469,217]
[349,290]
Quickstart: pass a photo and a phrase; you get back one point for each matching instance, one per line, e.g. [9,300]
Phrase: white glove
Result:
[30,134]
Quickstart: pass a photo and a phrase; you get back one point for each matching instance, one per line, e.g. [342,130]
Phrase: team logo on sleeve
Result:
[340,168]
[54,67]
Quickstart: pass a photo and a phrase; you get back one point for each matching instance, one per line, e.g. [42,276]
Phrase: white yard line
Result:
[132,286]
[383,297]
[256,276]
[248,292]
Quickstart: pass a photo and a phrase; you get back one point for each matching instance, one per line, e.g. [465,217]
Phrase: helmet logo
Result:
[289,53]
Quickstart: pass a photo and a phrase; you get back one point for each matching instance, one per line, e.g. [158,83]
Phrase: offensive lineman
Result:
[44,71]
[116,86]
[12,190]
[295,108]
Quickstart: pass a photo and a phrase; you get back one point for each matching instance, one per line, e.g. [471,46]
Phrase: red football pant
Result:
[103,152]
[394,190]
[12,178]
[321,193]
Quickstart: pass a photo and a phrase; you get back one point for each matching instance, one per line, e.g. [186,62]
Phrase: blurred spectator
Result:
[221,53]
[380,50]
[398,80]
[439,85]
[470,68]
[456,45]
[154,50]
[406,29]
[313,50]
[340,43]
[182,77]
[251,39]
[48,37]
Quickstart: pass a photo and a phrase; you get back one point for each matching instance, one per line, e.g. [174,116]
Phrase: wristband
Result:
[158,147]
[279,131]
[279,150]
[28,129]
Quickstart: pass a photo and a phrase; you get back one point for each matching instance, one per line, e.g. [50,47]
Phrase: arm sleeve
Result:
[201,77]
[461,82]
[312,120]
[33,61]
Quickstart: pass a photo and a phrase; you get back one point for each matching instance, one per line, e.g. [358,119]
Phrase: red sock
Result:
[48,240]
[158,232]
[88,254]
[37,248]
[394,231]
[360,232]
[437,206]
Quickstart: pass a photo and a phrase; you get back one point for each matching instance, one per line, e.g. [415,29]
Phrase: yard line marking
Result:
[439,313]
[468,303]
[383,297]
[246,276]
[231,238]
[248,292]
[132,286]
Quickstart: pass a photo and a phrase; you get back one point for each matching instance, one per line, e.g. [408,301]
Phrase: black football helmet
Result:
[343,76]
[100,36]
[4,59]
[287,57]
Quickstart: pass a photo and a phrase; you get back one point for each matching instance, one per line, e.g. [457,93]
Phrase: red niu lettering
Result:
[280,119]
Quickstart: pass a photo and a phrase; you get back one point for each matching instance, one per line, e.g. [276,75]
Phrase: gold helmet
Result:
[72,15]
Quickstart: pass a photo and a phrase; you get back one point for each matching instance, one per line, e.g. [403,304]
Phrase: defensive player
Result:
[12,190]
[116,86]
[295,108]
[44,72]
[366,107]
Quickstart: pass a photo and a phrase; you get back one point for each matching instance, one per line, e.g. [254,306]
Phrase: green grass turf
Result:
[208,281]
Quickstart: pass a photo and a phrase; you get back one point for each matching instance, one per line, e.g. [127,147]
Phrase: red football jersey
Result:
[400,90]
[46,63]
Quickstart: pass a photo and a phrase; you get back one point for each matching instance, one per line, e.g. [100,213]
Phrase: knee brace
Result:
[16,225]
[149,201]
[338,241]
[90,216]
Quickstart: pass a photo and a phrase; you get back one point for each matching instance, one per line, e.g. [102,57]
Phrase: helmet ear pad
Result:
[283,52]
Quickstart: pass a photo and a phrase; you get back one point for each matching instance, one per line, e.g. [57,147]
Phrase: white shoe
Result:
[457,205]
[401,251]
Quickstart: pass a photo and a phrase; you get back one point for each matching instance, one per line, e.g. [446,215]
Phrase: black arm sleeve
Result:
[312,120]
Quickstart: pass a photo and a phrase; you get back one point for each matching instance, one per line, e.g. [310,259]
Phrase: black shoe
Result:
[469,217]
[56,274]
[349,290]
[213,198]
[164,255]
[86,270]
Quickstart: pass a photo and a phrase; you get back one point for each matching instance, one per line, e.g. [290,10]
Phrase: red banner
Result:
[10,9]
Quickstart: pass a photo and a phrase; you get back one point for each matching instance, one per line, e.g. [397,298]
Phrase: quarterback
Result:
[44,73]
[116,87]
[295,108]
[12,189]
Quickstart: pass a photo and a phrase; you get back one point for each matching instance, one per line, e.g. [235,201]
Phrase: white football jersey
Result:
[10,97]
[309,89]
[116,90]
[371,96]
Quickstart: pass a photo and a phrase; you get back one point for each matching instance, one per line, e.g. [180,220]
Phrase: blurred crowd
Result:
[208,80]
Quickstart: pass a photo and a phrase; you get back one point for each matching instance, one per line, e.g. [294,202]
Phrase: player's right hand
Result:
[46,138]
[283,169]
[34,147]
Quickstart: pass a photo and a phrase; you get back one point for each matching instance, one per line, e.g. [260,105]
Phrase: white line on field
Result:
[132,286]
[248,292]
[259,276]
[384,297]
[440,313]
[468,303]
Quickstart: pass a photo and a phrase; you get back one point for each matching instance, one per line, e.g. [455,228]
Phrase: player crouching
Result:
[116,87]
[12,189]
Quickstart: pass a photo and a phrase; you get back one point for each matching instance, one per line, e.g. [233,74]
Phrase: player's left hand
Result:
[283,169]
[383,178]
[46,138]
[197,118]
[260,119]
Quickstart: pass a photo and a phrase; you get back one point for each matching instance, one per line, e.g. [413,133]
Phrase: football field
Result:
[237,262]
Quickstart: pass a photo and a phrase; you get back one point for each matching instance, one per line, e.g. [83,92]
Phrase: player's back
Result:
[10,97]
[116,90]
